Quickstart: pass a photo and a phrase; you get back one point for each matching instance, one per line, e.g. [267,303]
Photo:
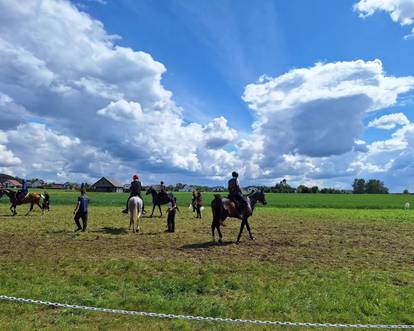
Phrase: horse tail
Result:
[216,207]
[135,212]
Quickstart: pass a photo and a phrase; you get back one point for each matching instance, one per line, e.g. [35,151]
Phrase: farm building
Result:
[4,177]
[186,188]
[37,184]
[56,186]
[108,185]
[218,189]
[12,183]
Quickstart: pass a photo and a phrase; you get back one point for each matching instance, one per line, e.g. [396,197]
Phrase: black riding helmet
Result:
[234,174]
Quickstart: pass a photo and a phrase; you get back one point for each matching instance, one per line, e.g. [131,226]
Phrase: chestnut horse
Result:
[33,198]
[223,208]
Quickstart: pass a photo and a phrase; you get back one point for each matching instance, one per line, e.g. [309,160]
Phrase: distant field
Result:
[347,201]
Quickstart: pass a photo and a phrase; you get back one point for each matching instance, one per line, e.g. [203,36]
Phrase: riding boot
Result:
[125,211]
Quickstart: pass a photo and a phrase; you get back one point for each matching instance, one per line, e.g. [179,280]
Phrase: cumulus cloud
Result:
[59,66]
[309,115]
[388,122]
[400,11]
[217,134]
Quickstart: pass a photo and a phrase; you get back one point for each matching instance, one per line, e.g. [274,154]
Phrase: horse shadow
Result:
[112,230]
[207,245]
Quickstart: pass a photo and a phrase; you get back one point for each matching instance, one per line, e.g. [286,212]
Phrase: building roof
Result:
[111,181]
[13,182]
[4,177]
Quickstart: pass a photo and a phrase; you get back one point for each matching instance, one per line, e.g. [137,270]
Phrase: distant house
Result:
[186,188]
[108,185]
[4,177]
[218,189]
[37,184]
[12,183]
[56,186]
[126,187]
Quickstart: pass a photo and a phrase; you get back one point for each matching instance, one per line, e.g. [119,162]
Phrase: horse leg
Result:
[159,207]
[241,230]
[213,228]
[13,210]
[220,235]
[248,229]
[30,210]
[153,208]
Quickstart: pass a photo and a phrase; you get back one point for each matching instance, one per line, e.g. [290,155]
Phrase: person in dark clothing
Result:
[172,209]
[163,191]
[21,194]
[235,192]
[135,190]
[81,211]
[193,201]
[199,204]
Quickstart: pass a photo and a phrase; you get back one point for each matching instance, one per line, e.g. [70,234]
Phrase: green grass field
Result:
[348,265]
[351,201]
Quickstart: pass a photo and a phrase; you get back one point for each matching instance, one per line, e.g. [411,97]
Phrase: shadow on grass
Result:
[111,230]
[207,245]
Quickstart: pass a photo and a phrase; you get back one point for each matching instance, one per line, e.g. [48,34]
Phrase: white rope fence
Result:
[205,319]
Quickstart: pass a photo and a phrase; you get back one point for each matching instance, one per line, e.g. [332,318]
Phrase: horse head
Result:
[258,196]
[149,190]
[46,201]
[261,197]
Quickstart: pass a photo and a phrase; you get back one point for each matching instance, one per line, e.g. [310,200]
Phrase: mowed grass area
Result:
[307,264]
[351,201]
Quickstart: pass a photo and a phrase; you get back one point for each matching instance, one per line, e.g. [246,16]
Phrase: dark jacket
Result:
[234,187]
[136,188]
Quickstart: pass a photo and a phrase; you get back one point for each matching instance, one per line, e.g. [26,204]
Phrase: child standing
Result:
[171,214]
[199,204]
[81,211]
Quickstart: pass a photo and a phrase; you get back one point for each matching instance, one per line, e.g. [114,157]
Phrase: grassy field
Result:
[352,201]
[308,264]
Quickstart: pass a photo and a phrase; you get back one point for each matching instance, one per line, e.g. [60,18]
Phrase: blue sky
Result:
[318,92]
[213,49]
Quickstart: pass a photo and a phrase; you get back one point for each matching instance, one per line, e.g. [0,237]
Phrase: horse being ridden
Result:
[135,205]
[41,200]
[224,207]
[158,199]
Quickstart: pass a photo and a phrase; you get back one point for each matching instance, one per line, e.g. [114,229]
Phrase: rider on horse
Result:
[21,194]
[163,190]
[235,193]
[135,189]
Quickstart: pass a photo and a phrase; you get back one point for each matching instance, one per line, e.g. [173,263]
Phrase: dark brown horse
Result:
[33,198]
[158,199]
[223,208]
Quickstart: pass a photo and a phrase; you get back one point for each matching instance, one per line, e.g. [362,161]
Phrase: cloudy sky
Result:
[317,92]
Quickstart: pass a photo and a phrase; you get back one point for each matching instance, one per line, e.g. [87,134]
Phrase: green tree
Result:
[358,186]
[375,186]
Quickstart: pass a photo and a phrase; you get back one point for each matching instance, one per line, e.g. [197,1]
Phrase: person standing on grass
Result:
[199,204]
[81,211]
[193,201]
[171,211]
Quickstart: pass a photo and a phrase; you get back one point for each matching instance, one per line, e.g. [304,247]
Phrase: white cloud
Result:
[217,134]
[318,111]
[400,11]
[60,65]
[388,122]
[310,119]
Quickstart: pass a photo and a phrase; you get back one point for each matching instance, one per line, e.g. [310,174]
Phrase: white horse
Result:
[135,205]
